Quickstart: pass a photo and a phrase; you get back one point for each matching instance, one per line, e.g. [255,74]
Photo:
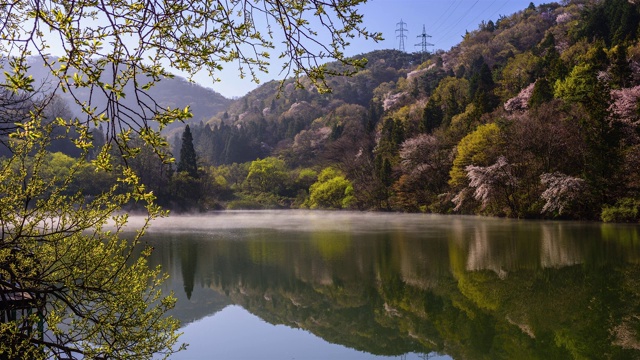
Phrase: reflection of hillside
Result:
[338,315]
[474,289]
[323,282]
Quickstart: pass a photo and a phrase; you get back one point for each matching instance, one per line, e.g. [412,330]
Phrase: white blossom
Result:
[624,105]
[460,198]
[562,190]
[488,180]
[391,99]
[563,18]
[603,76]
[521,101]
[417,151]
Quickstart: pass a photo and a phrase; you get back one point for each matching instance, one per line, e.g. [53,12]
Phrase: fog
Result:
[304,220]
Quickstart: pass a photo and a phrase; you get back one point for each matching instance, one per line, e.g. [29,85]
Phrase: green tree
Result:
[267,175]
[620,69]
[613,21]
[551,65]
[306,178]
[542,93]
[332,191]
[579,86]
[473,150]
[517,74]
[452,94]
[392,135]
[154,173]
[85,291]
[481,90]
[188,159]
[582,87]
[94,292]
[431,117]
[186,192]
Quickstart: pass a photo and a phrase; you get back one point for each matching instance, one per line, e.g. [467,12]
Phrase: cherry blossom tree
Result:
[495,183]
[425,164]
[562,191]
[624,105]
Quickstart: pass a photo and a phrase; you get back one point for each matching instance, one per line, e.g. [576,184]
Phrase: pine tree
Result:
[620,69]
[188,159]
[432,116]
[542,93]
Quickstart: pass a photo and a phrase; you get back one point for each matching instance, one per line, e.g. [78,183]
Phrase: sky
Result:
[444,20]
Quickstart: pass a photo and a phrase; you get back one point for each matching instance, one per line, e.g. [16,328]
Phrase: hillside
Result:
[535,115]
[268,119]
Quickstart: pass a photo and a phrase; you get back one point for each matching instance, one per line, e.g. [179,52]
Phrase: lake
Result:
[341,285]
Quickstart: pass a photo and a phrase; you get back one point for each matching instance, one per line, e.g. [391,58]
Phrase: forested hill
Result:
[275,118]
[535,115]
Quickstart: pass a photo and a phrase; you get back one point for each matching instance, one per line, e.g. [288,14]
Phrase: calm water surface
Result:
[326,285]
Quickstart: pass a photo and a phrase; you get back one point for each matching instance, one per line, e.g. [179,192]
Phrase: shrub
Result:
[244,204]
[332,191]
[625,210]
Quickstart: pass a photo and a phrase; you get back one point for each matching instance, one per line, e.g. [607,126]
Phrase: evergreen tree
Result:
[620,69]
[374,114]
[602,138]
[542,93]
[188,159]
[397,133]
[552,65]
[481,87]
[432,116]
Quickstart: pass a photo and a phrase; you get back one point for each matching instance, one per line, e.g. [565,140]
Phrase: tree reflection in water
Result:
[472,288]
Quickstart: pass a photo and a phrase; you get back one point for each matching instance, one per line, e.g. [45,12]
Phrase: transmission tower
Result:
[401,29]
[424,43]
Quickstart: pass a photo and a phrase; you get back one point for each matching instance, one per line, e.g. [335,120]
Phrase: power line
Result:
[500,8]
[452,27]
[445,35]
[471,22]
[443,21]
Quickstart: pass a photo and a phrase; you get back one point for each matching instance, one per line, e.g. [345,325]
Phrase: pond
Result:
[336,285]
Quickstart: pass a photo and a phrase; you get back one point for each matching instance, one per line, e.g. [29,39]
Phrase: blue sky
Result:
[445,20]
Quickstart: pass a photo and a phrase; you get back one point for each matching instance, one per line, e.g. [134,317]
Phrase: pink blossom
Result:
[562,190]
[521,101]
[563,18]
[417,150]
[624,106]
[489,180]
[460,198]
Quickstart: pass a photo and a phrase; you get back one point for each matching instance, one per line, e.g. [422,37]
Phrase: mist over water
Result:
[309,220]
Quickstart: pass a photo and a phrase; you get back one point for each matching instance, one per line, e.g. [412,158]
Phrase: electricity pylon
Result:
[402,36]
[424,43]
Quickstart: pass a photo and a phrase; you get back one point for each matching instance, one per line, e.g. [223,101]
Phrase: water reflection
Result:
[469,287]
